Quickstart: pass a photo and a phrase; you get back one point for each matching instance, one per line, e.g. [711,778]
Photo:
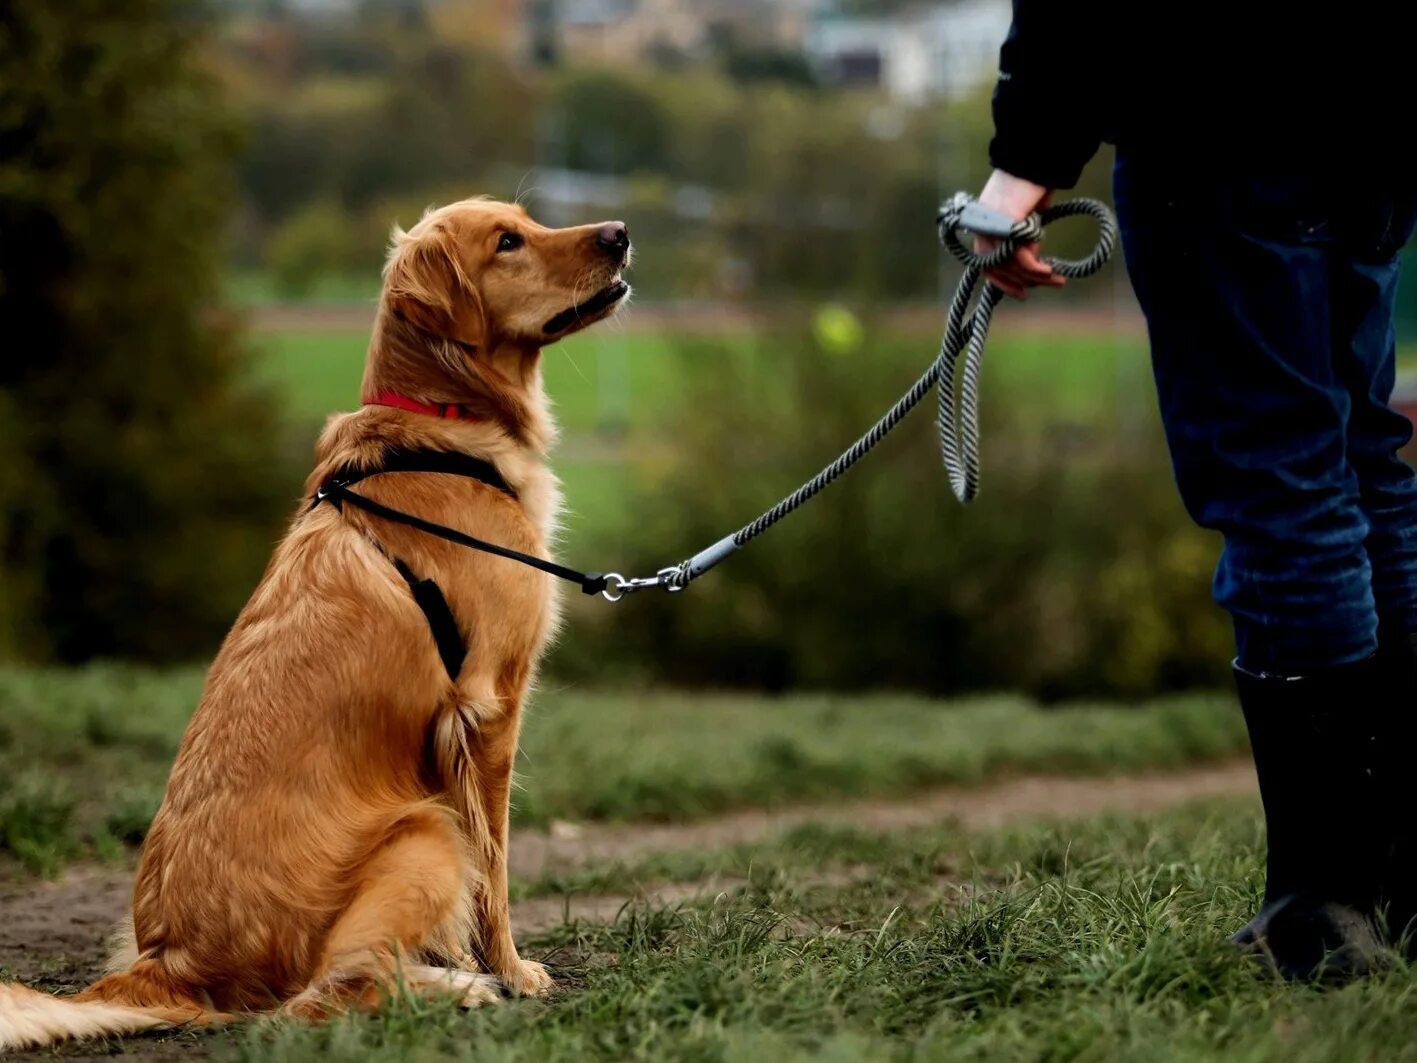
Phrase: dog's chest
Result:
[510,610]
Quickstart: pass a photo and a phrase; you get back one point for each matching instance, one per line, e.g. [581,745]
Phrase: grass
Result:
[679,756]
[258,287]
[84,754]
[1055,941]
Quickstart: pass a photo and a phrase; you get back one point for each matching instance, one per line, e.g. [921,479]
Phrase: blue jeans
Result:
[1269,302]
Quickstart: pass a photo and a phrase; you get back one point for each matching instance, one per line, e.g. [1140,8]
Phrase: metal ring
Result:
[618,592]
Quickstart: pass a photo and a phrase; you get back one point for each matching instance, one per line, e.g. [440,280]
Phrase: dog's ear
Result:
[428,287]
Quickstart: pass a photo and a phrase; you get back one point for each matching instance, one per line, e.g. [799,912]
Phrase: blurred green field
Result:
[604,379]
[608,383]
[318,373]
[618,395]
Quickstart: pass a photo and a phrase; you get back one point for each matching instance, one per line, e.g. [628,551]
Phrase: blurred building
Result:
[625,31]
[934,50]
[920,52]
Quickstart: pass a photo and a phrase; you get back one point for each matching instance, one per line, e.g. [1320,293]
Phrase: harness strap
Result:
[441,622]
[446,461]
[429,597]
[589,582]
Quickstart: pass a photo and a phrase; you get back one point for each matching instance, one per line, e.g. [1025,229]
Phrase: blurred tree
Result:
[314,243]
[139,490]
[348,110]
[613,123]
[768,64]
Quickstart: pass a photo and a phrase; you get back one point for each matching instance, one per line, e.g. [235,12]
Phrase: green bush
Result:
[131,813]
[1075,573]
[313,243]
[35,826]
[140,488]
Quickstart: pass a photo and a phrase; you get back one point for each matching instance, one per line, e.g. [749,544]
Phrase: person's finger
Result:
[1018,277]
[1024,270]
[1001,276]
[1006,284]
[1030,264]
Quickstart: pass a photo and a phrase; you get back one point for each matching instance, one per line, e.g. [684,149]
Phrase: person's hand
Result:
[1018,199]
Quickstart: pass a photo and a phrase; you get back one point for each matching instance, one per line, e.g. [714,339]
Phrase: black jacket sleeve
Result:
[1049,103]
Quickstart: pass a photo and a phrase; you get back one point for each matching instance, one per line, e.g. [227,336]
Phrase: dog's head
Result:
[483,274]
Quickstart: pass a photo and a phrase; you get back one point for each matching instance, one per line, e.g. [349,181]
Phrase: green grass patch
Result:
[258,287]
[315,373]
[666,756]
[1055,941]
[36,824]
[99,742]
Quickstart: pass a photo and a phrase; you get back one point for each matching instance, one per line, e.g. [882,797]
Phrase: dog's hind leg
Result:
[410,900]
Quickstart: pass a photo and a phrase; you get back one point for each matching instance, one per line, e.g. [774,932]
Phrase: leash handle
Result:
[965,333]
[962,213]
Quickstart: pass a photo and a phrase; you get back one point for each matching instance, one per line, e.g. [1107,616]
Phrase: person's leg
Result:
[1235,279]
[1373,231]
[1235,285]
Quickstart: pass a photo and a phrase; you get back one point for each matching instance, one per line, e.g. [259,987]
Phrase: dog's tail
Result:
[121,1003]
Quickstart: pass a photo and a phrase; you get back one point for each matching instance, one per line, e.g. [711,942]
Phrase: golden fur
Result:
[337,815]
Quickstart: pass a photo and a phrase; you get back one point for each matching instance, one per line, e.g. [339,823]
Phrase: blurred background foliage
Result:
[1074,573]
[194,202]
[136,499]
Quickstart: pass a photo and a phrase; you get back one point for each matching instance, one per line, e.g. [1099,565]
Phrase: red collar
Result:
[403,402]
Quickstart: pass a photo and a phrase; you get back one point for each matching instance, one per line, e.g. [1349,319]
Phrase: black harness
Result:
[452,647]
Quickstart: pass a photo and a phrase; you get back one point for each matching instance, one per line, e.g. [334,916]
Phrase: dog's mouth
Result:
[596,305]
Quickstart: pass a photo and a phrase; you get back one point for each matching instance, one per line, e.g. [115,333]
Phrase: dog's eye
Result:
[509,242]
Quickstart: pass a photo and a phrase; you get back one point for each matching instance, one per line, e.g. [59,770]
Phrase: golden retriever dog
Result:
[335,824]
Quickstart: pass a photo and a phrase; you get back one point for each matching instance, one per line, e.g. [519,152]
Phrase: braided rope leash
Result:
[965,333]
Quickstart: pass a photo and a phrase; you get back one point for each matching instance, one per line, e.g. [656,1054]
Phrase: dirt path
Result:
[975,808]
[53,934]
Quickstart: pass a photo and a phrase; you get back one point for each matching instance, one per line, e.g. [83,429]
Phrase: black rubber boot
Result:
[1397,740]
[1315,746]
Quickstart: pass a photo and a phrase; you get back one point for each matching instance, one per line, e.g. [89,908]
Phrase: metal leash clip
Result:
[623,586]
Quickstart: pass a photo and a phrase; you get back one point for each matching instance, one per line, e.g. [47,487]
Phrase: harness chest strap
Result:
[452,647]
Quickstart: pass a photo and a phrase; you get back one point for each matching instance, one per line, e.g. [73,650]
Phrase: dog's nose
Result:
[613,237]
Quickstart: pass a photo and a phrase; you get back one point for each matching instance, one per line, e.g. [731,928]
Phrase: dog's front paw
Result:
[527,979]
